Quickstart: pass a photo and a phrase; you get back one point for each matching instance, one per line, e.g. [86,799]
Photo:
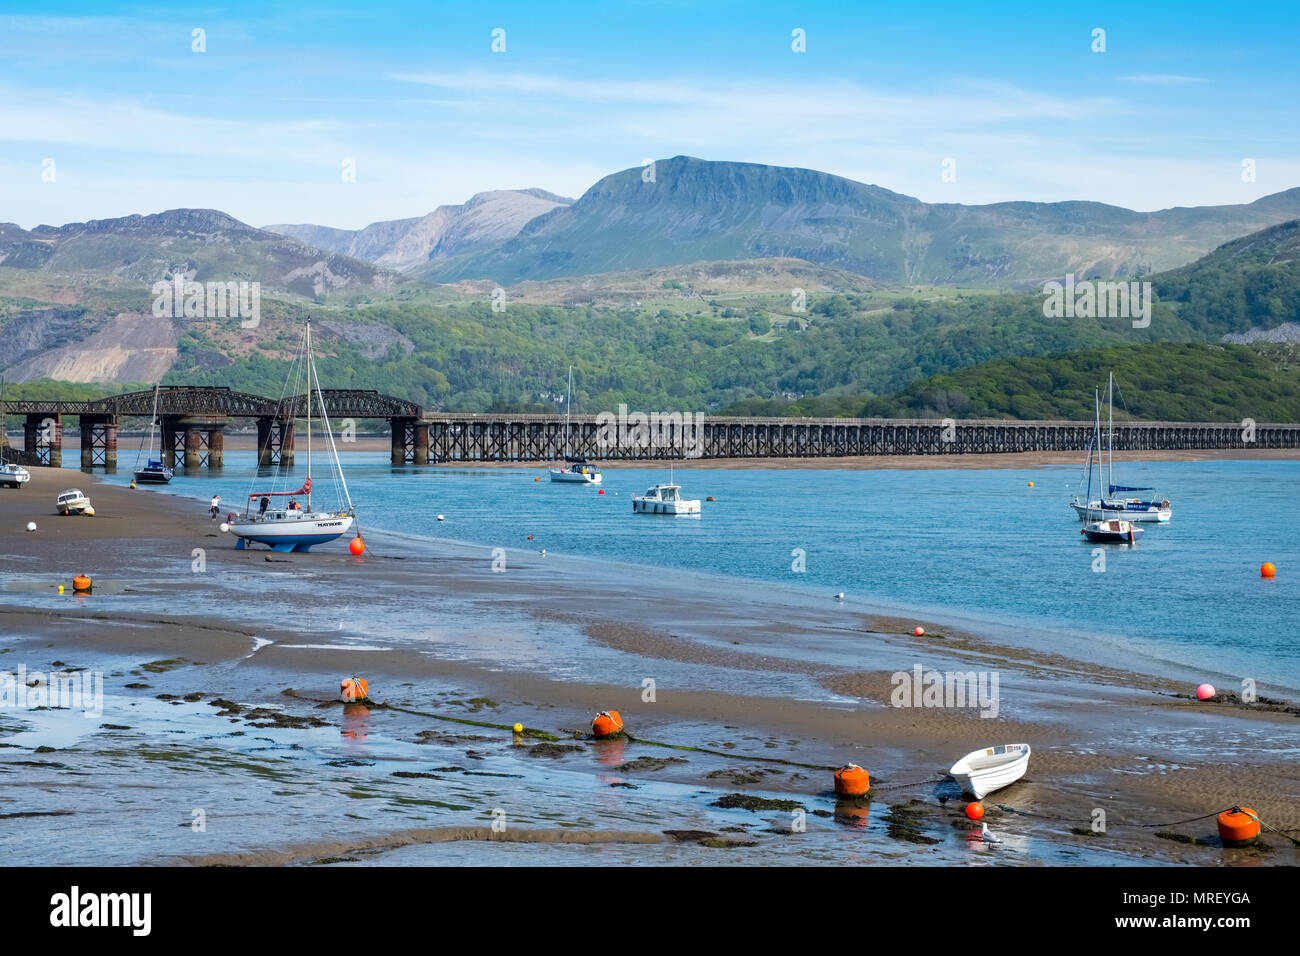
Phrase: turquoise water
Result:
[974,545]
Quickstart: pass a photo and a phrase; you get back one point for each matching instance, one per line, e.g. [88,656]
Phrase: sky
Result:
[108,109]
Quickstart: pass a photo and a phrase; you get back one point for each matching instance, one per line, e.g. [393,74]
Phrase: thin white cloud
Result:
[1162,79]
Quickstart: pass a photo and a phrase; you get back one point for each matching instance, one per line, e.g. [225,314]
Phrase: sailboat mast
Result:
[568,407]
[310,367]
[1110,441]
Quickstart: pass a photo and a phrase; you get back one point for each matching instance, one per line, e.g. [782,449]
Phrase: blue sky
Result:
[260,124]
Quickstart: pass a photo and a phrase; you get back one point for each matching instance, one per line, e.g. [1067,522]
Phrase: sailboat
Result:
[154,472]
[574,470]
[1104,530]
[293,527]
[1108,505]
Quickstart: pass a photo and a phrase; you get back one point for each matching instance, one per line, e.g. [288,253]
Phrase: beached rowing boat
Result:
[983,771]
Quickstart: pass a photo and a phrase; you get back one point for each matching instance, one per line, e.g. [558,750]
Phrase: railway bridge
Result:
[193,421]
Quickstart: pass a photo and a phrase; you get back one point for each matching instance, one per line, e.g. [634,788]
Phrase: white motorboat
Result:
[574,470]
[14,476]
[1113,503]
[983,771]
[71,501]
[293,527]
[664,500]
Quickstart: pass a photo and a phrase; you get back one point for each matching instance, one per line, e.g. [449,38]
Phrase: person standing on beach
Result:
[214,507]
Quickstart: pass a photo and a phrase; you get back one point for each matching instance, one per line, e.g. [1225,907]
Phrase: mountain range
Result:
[683,286]
[486,219]
[690,210]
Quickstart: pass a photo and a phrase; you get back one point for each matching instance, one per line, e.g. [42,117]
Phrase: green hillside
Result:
[1159,381]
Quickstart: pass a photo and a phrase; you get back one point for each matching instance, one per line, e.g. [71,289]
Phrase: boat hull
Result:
[646,506]
[290,534]
[1094,511]
[571,477]
[153,477]
[991,769]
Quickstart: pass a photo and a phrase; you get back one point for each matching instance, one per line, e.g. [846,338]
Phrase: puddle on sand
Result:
[260,776]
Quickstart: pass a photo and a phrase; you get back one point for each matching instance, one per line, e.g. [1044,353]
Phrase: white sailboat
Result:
[1108,506]
[574,470]
[292,527]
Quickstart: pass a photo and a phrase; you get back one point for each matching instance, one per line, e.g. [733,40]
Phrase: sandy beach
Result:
[221,673]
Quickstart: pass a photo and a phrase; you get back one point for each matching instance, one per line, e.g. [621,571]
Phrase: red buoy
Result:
[852,781]
[1266,570]
[1238,826]
[975,811]
[357,546]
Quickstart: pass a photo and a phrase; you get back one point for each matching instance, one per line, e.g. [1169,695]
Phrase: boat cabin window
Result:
[670,494]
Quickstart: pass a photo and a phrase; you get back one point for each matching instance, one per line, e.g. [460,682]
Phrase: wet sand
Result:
[766,692]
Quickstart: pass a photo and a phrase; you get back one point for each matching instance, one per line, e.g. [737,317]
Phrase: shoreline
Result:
[755,668]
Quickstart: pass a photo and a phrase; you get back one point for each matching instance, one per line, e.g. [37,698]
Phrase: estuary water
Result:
[978,547]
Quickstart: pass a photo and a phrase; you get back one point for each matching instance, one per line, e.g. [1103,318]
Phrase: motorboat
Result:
[14,476]
[664,500]
[72,501]
[983,771]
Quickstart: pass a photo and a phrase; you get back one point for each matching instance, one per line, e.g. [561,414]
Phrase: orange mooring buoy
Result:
[81,583]
[354,688]
[356,545]
[606,723]
[1266,570]
[1238,826]
[852,781]
[975,811]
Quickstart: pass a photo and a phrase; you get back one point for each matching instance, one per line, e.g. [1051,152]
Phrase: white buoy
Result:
[224,527]
[840,596]
[441,518]
[31,526]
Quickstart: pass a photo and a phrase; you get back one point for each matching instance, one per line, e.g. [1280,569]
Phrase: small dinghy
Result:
[983,771]
[1113,531]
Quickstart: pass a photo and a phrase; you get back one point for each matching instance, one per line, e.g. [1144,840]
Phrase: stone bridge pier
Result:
[43,437]
[275,441]
[99,441]
[193,441]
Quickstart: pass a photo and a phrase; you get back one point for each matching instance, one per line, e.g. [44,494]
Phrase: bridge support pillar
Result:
[420,434]
[193,447]
[274,442]
[216,447]
[43,436]
[99,441]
